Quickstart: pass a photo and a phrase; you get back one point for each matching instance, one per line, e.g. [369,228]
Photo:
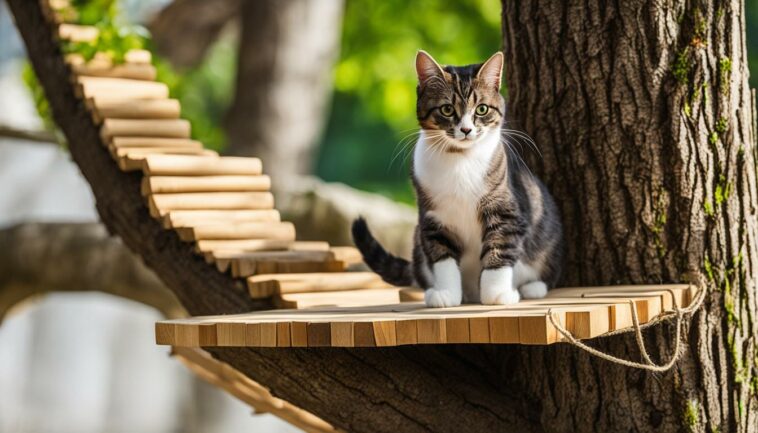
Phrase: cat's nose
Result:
[465,131]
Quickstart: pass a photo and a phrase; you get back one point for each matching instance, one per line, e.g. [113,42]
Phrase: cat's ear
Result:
[426,67]
[492,70]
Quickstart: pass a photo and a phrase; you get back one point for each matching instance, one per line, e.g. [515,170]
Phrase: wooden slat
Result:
[142,152]
[134,159]
[77,33]
[164,203]
[178,184]
[349,255]
[151,142]
[102,66]
[251,245]
[168,128]
[280,231]
[194,166]
[263,286]
[134,109]
[110,88]
[188,218]
[350,298]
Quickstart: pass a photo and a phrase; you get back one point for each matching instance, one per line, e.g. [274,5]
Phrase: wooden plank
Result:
[153,142]
[252,230]
[168,128]
[104,87]
[406,332]
[164,333]
[479,330]
[363,334]
[457,330]
[504,330]
[258,245]
[198,166]
[134,161]
[231,334]
[384,333]
[253,334]
[248,264]
[341,298]
[185,218]
[431,331]
[341,334]
[319,334]
[77,33]
[165,203]
[179,184]
[299,334]
[298,267]
[412,294]
[536,330]
[102,66]
[134,109]
[283,336]
[349,255]
[140,153]
[268,334]
[263,286]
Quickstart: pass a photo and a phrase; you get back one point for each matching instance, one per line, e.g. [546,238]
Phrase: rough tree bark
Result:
[644,118]
[492,388]
[284,80]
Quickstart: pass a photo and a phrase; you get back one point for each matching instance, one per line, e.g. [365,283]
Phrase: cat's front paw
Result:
[440,298]
[496,287]
[533,290]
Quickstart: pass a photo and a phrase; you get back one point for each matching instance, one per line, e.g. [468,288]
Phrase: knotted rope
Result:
[647,363]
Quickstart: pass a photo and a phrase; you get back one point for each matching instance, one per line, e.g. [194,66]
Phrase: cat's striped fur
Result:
[488,229]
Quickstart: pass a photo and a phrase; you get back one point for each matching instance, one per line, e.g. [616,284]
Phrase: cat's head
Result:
[459,105]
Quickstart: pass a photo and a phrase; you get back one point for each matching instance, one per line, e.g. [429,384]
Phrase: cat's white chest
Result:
[455,184]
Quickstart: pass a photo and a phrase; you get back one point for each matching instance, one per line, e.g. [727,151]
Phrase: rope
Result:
[647,363]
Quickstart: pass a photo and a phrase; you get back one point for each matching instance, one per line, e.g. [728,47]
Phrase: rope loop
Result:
[647,363]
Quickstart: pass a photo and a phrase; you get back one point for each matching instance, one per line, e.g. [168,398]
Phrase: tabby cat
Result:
[488,230]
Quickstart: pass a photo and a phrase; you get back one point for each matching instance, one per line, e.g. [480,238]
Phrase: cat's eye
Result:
[482,109]
[447,110]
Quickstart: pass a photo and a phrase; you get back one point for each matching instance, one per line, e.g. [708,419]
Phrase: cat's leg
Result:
[447,290]
[533,290]
[504,230]
[527,279]
[443,252]
[496,286]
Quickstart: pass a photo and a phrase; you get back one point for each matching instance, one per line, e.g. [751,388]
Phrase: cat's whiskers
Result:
[404,145]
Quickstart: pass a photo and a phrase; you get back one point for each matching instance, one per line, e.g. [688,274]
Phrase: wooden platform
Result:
[584,312]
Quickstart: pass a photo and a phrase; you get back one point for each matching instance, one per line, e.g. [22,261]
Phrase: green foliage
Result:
[374,108]
[204,92]
[38,95]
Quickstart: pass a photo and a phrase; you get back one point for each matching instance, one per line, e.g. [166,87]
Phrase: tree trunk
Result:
[644,119]
[38,258]
[184,30]
[284,75]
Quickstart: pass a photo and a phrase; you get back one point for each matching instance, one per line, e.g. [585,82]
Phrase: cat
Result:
[488,230]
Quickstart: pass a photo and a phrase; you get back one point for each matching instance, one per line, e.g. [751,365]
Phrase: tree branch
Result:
[37,258]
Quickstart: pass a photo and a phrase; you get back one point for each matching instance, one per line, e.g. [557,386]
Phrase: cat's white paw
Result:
[505,298]
[496,287]
[533,290]
[447,281]
[436,298]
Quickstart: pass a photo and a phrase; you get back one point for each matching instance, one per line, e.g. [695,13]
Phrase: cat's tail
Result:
[392,269]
